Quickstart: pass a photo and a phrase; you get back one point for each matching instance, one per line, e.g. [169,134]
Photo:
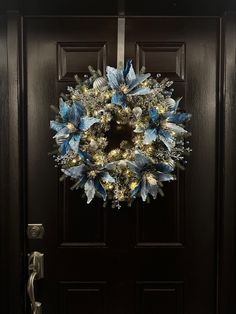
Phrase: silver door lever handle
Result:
[36,271]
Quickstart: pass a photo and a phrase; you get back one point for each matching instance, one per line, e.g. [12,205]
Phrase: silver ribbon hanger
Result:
[120,42]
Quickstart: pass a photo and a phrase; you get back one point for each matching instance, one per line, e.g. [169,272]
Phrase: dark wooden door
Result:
[157,258]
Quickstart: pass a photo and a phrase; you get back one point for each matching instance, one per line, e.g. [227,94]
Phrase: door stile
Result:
[15,212]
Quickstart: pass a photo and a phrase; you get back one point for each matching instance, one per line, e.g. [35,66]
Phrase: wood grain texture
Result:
[12,232]
[15,220]
[201,37]
[3,162]
[227,282]
[60,214]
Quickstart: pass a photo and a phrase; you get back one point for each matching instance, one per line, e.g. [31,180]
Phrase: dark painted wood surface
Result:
[227,280]
[3,160]
[152,258]
[12,215]
[199,87]
[115,7]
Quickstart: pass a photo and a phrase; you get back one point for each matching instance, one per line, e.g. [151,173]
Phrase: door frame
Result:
[13,162]
[12,220]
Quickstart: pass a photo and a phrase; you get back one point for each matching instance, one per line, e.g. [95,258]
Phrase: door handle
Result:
[36,271]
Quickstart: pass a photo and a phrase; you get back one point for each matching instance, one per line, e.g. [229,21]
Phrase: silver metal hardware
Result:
[36,272]
[35,231]
[121,42]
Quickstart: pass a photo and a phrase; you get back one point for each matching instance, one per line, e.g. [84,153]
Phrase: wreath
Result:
[137,166]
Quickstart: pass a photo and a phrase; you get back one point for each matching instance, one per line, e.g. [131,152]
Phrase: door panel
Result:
[150,258]
[85,297]
[186,50]
[56,49]
[165,298]
[80,228]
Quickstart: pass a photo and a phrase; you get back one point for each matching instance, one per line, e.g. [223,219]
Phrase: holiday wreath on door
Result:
[136,168]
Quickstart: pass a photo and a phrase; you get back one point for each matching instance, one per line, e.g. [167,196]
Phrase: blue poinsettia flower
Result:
[165,126]
[90,177]
[74,121]
[150,175]
[126,83]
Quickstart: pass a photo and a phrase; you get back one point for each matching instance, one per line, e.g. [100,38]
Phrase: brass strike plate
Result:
[35,231]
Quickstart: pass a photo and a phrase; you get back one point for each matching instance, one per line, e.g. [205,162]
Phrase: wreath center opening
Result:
[118,133]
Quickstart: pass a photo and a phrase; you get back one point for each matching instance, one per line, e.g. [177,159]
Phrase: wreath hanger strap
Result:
[120,42]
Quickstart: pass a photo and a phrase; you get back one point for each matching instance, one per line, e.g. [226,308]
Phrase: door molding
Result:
[13,168]
[227,178]
[12,187]
[3,159]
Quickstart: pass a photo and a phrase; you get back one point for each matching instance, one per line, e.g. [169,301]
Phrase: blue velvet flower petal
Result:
[138,91]
[105,176]
[141,160]
[165,177]
[133,167]
[164,167]
[100,189]
[154,115]
[139,79]
[80,108]
[64,147]
[62,132]
[128,72]
[85,156]
[75,172]
[115,77]
[130,77]
[152,189]
[144,190]
[175,106]
[150,135]
[175,128]
[118,99]
[167,139]
[136,190]
[76,137]
[75,114]
[64,110]
[83,180]
[74,142]
[89,190]
[87,122]
[179,118]
[56,126]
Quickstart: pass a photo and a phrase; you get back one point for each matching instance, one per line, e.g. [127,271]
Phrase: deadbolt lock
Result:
[35,231]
